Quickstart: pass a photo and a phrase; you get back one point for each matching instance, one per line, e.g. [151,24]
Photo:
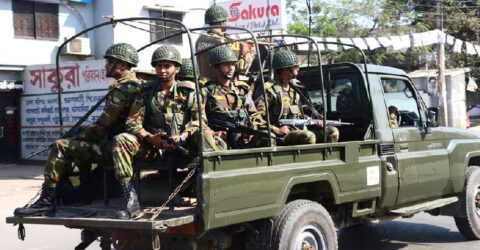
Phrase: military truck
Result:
[298,197]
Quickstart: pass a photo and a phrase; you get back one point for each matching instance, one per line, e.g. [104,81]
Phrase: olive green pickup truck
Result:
[394,161]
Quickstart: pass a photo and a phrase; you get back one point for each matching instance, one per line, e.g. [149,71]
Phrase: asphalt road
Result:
[20,183]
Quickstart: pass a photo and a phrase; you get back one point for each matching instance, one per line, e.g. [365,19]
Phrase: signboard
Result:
[84,83]
[256,15]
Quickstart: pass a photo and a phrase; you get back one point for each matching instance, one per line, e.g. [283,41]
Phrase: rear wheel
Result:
[302,225]
[469,222]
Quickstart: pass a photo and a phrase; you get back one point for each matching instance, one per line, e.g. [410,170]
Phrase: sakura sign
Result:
[256,15]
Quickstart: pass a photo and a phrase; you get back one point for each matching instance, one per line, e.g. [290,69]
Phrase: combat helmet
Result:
[215,14]
[285,59]
[187,69]
[124,52]
[166,53]
[222,54]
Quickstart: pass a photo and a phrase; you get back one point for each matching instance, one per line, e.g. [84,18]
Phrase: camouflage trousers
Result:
[332,134]
[68,151]
[127,147]
[298,137]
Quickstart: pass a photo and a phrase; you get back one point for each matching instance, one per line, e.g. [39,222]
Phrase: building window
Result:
[35,20]
[162,29]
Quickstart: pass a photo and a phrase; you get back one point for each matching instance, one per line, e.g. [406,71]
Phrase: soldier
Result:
[166,108]
[93,144]
[285,103]
[245,52]
[392,113]
[229,100]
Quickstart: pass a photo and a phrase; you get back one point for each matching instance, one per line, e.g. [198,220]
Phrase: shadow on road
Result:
[16,172]
[395,235]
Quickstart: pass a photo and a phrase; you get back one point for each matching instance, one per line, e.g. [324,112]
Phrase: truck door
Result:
[422,158]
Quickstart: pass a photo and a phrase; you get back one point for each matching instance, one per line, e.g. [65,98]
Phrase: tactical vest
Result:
[173,123]
[238,114]
[284,108]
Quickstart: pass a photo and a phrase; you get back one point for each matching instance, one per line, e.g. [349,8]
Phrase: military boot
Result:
[45,204]
[130,206]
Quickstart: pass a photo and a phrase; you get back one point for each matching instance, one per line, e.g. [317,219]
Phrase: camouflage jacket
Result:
[153,109]
[223,101]
[117,106]
[282,104]
[245,52]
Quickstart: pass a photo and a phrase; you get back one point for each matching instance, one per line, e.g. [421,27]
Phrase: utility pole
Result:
[441,68]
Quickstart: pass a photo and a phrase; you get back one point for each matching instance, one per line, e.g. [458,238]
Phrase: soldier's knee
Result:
[123,137]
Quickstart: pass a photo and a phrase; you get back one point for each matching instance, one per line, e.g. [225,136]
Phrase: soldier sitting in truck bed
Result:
[285,103]
[229,100]
[94,143]
[165,108]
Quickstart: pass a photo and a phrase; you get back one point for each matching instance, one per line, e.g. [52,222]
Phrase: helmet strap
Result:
[294,76]
[166,79]
[113,68]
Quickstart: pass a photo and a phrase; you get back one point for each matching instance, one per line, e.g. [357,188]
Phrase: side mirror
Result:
[432,117]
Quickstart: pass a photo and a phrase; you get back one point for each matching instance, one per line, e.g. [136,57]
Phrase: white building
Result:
[33,30]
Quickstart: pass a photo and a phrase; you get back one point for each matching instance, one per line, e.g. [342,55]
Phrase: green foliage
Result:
[375,18]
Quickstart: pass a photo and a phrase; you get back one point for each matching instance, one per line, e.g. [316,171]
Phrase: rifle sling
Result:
[84,117]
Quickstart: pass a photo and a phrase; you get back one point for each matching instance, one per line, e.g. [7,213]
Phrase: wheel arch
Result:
[300,186]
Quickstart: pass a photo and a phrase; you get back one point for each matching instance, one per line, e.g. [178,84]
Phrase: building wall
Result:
[193,18]
[21,51]
[456,97]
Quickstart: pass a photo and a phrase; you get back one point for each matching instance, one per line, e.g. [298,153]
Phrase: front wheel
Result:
[469,222]
[302,225]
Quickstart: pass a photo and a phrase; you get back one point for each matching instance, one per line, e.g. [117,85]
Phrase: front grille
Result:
[387,148]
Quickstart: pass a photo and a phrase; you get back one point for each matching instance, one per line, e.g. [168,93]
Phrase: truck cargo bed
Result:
[97,215]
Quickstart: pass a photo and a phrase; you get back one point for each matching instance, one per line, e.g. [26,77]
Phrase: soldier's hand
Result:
[222,134]
[246,138]
[157,141]
[319,124]
[283,130]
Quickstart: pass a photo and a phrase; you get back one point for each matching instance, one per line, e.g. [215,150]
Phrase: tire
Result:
[304,223]
[469,223]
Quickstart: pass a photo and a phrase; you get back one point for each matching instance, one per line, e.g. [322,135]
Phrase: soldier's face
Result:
[227,69]
[114,67]
[290,73]
[166,70]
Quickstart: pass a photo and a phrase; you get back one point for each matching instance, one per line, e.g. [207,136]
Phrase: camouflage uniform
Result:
[285,104]
[174,113]
[232,104]
[244,51]
[93,144]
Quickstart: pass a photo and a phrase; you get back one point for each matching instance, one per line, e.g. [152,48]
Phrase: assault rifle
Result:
[237,128]
[303,123]
[168,139]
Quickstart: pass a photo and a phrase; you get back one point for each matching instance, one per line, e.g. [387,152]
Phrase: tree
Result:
[365,18]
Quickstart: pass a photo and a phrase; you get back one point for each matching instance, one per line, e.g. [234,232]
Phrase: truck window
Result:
[402,105]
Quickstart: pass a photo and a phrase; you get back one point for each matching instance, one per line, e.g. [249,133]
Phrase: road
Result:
[20,183]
